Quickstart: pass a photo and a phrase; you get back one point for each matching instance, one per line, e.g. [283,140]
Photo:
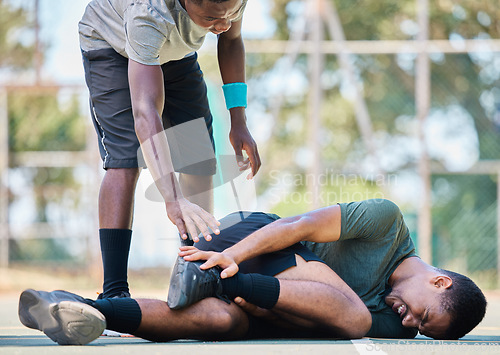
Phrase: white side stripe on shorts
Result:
[102,139]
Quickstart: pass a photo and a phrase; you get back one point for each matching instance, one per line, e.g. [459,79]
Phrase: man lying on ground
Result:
[374,285]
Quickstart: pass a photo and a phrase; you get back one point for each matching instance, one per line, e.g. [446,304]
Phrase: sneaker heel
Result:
[26,301]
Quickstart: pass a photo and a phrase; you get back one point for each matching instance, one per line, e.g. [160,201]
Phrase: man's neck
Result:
[408,268]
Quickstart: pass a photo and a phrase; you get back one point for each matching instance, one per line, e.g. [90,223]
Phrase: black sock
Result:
[115,246]
[122,314]
[260,290]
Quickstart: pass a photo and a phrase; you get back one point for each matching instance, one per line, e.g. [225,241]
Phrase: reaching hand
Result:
[187,217]
[256,311]
[241,139]
[225,262]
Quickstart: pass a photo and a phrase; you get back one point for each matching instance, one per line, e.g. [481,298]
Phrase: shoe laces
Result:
[211,288]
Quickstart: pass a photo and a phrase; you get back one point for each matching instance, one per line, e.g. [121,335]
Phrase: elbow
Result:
[300,227]
[140,126]
[305,227]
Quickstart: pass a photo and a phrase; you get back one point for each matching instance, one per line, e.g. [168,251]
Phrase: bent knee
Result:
[360,324]
[227,320]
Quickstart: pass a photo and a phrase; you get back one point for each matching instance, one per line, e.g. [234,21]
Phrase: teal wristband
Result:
[235,95]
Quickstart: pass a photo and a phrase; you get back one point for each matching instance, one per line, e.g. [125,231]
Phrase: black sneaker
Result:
[122,294]
[186,242]
[66,318]
[189,284]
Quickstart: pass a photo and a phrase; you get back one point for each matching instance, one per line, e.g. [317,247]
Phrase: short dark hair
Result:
[465,303]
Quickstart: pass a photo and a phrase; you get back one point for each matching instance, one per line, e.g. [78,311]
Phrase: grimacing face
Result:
[215,17]
[420,309]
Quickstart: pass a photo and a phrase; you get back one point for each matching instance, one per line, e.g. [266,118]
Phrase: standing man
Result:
[143,77]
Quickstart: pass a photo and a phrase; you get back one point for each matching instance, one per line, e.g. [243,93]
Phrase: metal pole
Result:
[4,169]
[38,52]
[498,228]
[346,63]
[440,46]
[315,98]
[292,51]
[422,92]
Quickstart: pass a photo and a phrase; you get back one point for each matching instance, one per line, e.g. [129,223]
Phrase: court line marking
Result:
[366,346]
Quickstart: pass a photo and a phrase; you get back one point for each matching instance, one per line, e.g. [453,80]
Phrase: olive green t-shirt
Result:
[374,240]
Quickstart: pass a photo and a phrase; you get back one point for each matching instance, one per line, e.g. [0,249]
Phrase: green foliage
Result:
[463,211]
[464,216]
[464,17]
[39,250]
[333,189]
[388,80]
[14,25]
[39,122]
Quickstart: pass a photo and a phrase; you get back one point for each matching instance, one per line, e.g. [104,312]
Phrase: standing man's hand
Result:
[242,140]
[188,217]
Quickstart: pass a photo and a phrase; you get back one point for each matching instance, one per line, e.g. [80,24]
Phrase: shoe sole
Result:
[177,295]
[66,322]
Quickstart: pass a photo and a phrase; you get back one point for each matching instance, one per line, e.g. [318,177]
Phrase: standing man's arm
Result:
[231,55]
[146,91]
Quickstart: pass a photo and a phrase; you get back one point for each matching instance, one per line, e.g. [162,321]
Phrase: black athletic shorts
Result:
[239,225]
[106,74]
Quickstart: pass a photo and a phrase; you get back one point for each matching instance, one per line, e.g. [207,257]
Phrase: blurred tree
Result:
[468,81]
[46,124]
[16,48]
[39,120]
[388,80]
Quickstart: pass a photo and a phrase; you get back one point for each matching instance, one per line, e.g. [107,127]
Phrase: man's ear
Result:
[442,281]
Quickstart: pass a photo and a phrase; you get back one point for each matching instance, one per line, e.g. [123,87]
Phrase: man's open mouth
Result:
[401,310]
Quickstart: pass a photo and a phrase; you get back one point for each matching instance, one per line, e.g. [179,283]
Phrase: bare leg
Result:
[312,295]
[116,205]
[198,189]
[116,198]
[209,319]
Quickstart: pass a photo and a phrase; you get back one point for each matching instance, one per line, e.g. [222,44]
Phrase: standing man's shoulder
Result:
[158,31]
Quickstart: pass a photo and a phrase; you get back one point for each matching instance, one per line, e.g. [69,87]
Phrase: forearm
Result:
[273,237]
[321,226]
[157,157]
[231,56]
[147,96]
